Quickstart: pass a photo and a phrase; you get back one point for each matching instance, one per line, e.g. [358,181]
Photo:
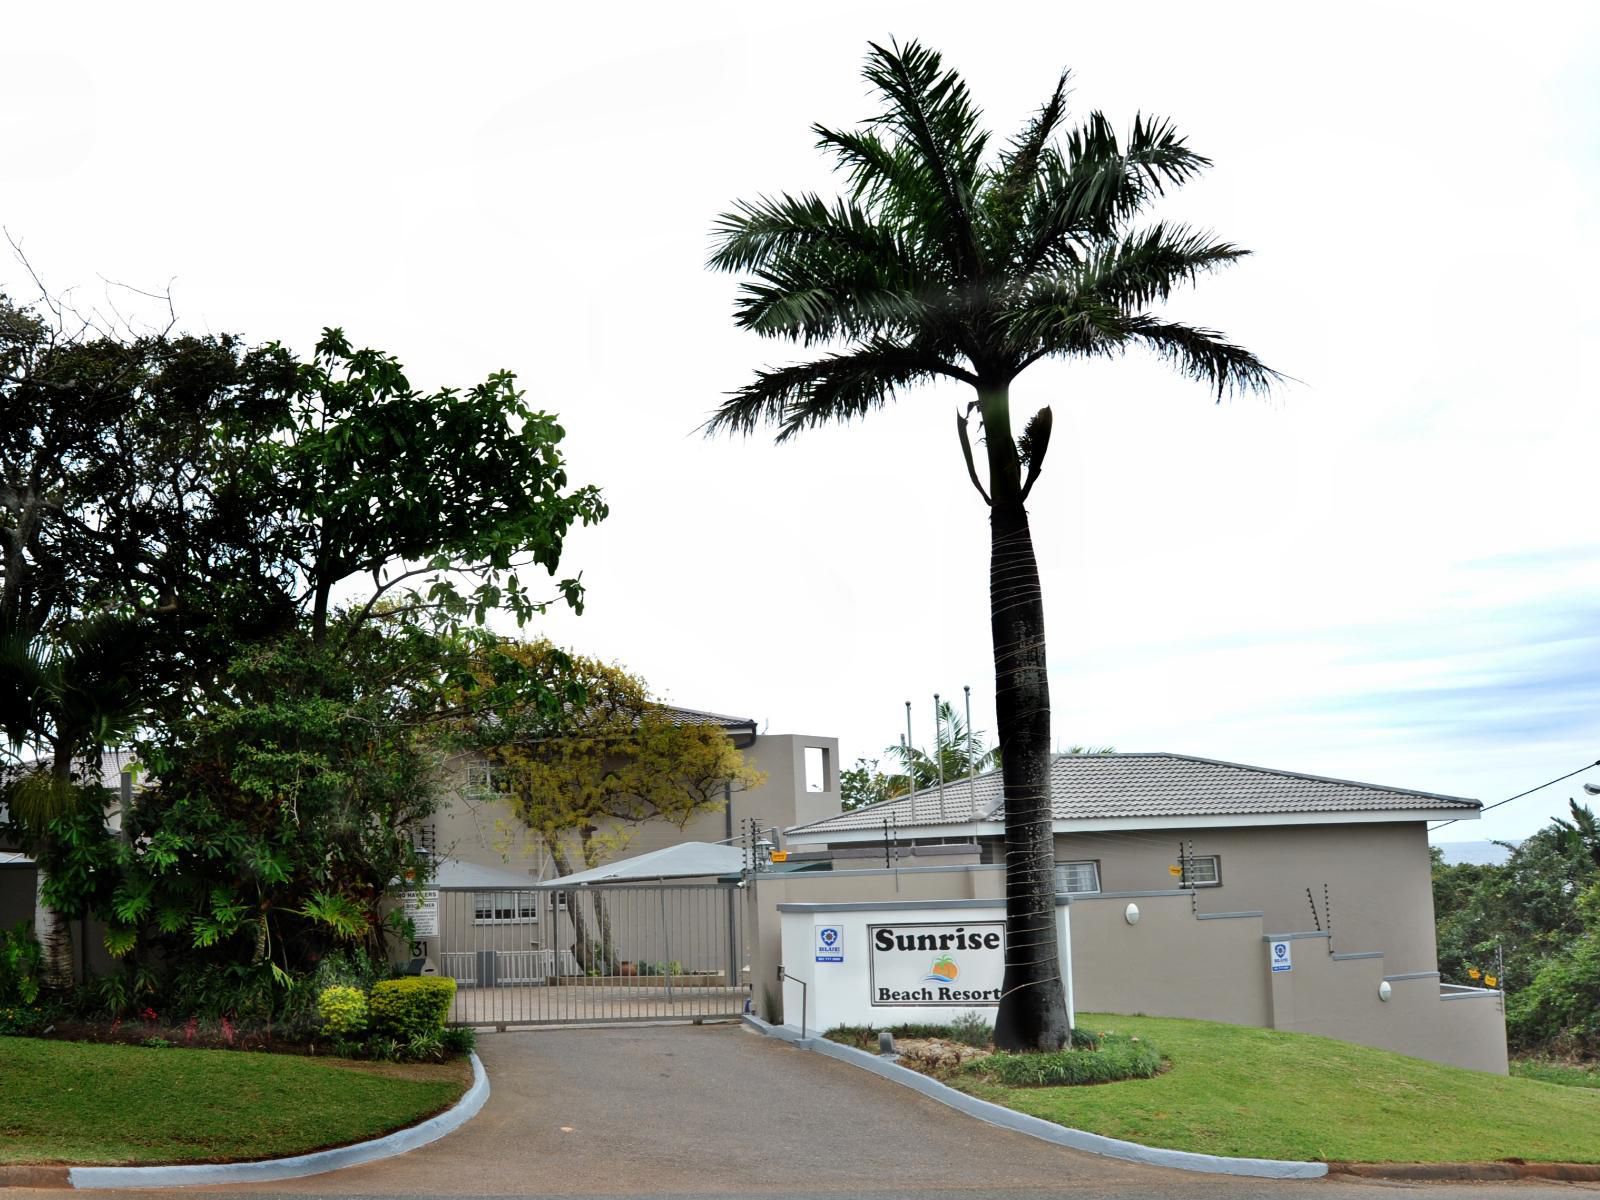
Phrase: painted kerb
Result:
[1049,1131]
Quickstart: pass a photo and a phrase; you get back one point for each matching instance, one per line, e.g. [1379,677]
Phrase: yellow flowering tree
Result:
[615,760]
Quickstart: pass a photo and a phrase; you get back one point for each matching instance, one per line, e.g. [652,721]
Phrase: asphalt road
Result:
[679,1112]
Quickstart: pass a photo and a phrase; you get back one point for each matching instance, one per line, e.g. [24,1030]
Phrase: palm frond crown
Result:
[942,260]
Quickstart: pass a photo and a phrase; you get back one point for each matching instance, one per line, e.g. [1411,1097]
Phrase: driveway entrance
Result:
[702,1111]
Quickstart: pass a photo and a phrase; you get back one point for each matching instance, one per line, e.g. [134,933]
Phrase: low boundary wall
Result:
[1169,960]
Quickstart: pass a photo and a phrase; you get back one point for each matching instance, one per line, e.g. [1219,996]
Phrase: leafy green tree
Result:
[944,261]
[169,502]
[1521,912]
[864,784]
[400,486]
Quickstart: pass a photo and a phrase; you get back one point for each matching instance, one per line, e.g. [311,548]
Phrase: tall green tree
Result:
[946,261]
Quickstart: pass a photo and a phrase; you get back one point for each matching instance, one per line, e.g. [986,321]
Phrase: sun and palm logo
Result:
[944,970]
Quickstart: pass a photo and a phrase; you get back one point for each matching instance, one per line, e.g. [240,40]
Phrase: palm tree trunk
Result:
[1033,1007]
[54,933]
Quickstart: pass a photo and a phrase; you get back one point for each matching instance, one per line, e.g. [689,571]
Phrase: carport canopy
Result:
[686,860]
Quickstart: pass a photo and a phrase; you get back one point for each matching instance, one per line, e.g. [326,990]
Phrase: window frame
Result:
[1186,863]
[1091,863]
[525,908]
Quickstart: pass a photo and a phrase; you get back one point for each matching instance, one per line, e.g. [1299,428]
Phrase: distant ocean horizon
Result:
[1480,854]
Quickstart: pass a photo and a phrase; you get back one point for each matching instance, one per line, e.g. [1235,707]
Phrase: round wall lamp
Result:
[1384,990]
[1131,914]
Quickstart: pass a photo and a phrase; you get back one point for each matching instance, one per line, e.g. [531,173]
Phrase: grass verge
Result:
[1262,1093]
[72,1102]
[1565,1073]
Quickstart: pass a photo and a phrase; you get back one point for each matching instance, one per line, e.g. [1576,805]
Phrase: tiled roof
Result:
[1111,786]
[694,716]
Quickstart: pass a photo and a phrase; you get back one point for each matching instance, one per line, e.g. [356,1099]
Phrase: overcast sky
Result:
[1389,571]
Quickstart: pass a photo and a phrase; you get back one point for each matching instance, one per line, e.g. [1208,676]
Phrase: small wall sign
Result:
[937,965]
[1282,959]
[423,909]
[830,943]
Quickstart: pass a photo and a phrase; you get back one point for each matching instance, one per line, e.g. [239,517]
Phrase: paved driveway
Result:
[686,1111]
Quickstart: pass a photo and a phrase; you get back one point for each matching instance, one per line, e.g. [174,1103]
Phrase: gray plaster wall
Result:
[1378,878]
[1168,964]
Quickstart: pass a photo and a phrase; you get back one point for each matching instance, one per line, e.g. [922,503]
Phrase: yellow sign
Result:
[1174,870]
[780,856]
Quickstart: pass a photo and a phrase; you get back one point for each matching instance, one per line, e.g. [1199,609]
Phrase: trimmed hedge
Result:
[1117,1057]
[343,1010]
[412,1008]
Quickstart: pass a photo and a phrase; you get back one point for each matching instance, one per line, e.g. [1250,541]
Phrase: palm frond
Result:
[836,388]
[774,228]
[1017,177]
[1205,355]
[1099,184]
[931,111]
[1149,265]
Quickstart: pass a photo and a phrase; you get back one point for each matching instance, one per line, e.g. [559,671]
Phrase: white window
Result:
[1201,870]
[1077,877]
[504,908]
[484,781]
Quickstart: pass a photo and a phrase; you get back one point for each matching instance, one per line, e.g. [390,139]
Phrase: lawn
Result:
[72,1102]
[1260,1093]
[1567,1074]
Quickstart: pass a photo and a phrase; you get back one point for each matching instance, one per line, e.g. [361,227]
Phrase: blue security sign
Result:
[830,943]
[1282,960]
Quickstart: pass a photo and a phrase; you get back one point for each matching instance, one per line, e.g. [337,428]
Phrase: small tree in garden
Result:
[615,760]
[947,260]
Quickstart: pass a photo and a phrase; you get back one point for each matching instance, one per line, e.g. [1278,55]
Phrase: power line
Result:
[1520,795]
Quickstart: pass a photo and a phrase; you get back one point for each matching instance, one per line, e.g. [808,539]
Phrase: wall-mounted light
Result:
[1384,990]
[1131,914]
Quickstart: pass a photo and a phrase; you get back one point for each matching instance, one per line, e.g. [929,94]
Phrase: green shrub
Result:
[1117,1058]
[1560,1009]
[343,1010]
[915,1029]
[21,964]
[459,1039]
[862,1037]
[971,1029]
[1084,1039]
[414,1007]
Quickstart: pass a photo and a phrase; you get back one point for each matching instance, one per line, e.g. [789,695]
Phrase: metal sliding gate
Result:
[613,952]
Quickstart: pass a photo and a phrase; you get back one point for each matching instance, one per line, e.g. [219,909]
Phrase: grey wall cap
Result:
[1474,994]
[1135,895]
[1048,1131]
[899,905]
[267,1170]
[1228,916]
[1410,976]
[948,867]
[1357,954]
[1291,937]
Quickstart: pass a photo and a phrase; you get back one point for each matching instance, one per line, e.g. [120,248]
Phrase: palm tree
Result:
[944,261]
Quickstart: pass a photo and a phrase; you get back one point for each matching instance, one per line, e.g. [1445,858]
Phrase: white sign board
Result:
[830,943]
[1282,960]
[423,910]
[936,965]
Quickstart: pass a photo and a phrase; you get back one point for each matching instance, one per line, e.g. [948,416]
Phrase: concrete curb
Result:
[1049,1131]
[271,1169]
[1476,1172]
